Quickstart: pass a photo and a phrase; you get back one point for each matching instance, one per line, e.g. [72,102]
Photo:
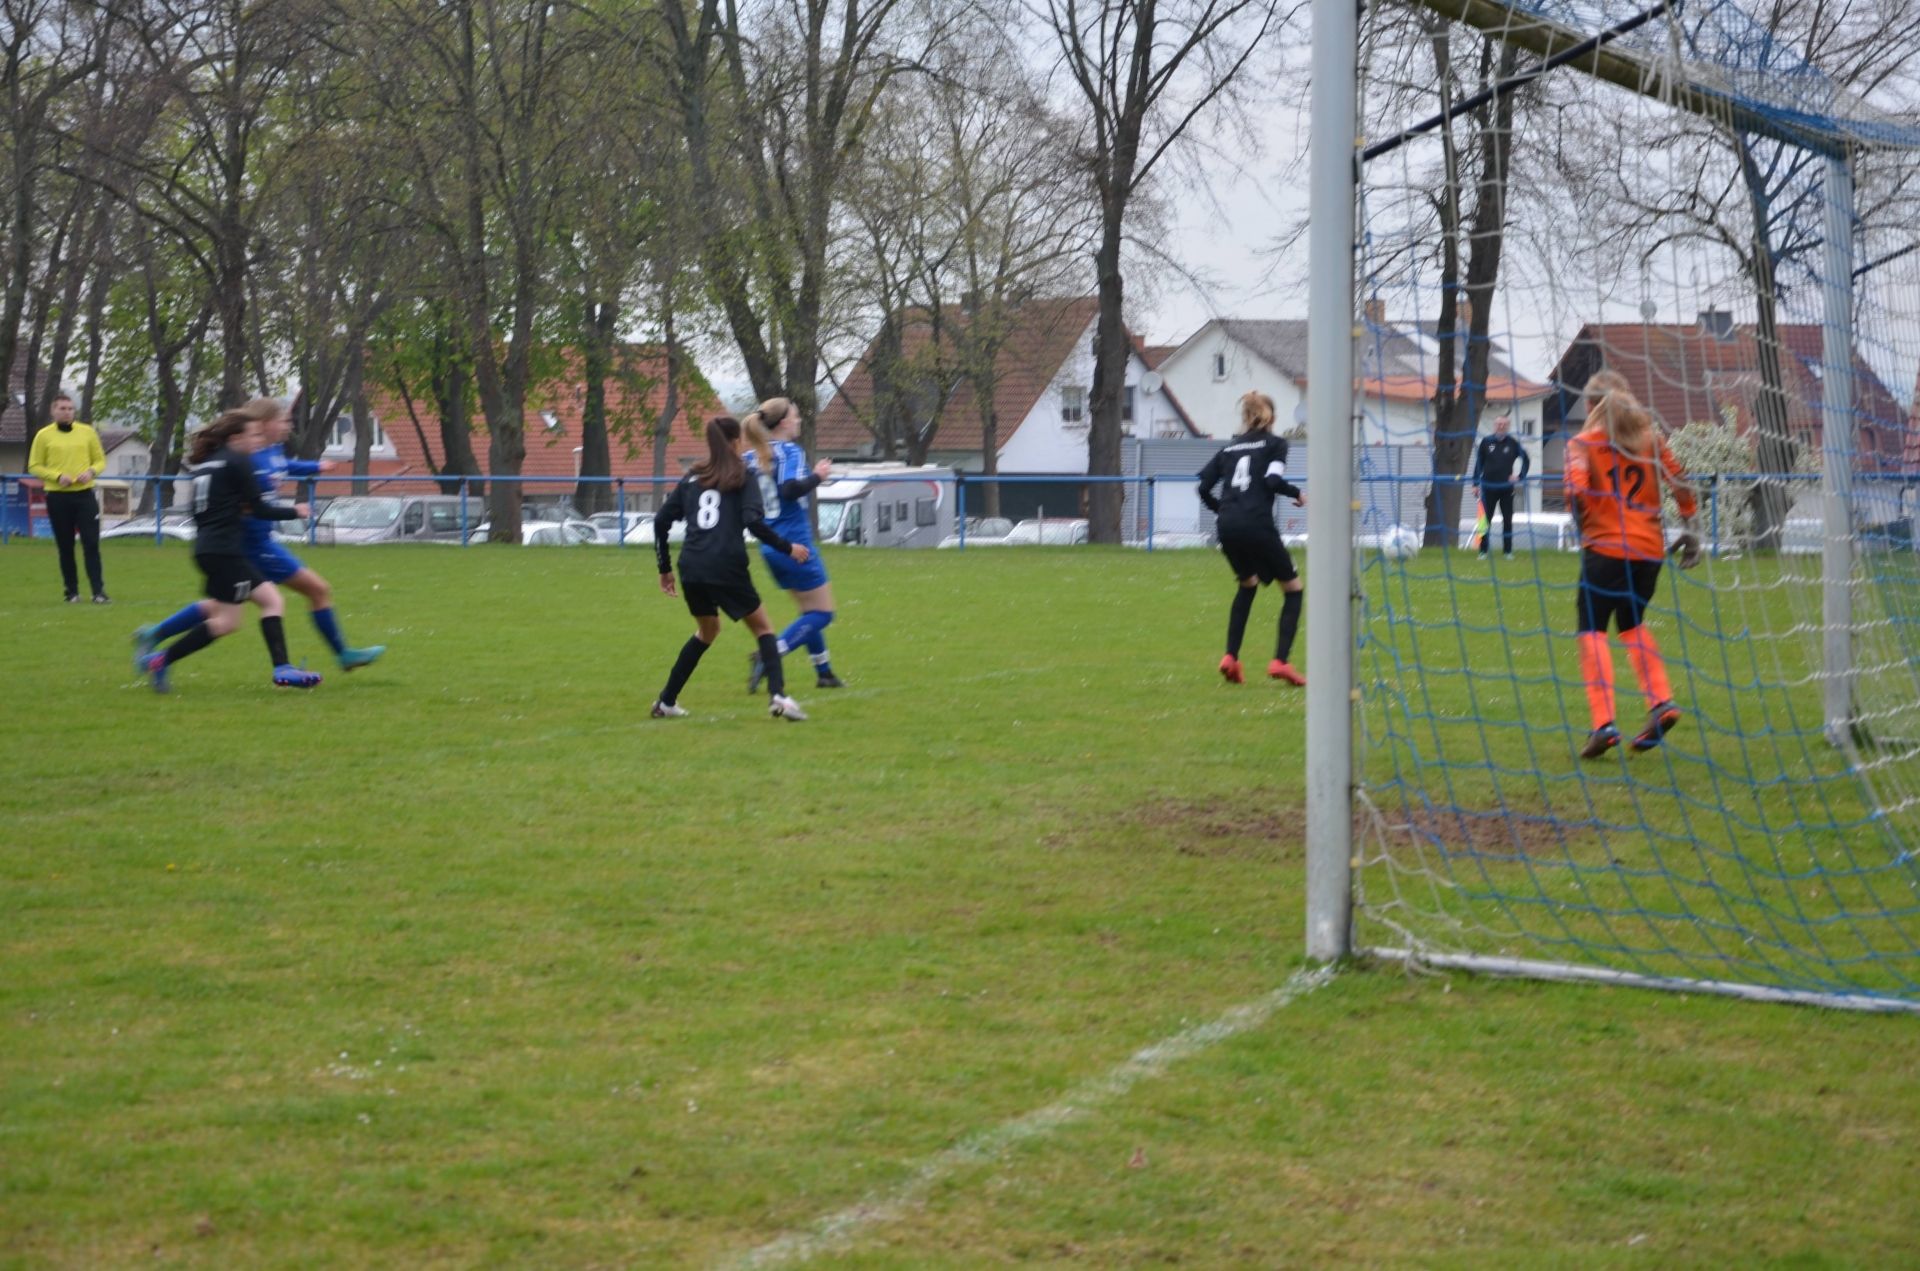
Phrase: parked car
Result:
[982,531]
[174,525]
[574,533]
[392,518]
[639,528]
[1048,533]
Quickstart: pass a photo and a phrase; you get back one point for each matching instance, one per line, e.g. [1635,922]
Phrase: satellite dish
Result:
[1648,310]
[1151,383]
[1299,412]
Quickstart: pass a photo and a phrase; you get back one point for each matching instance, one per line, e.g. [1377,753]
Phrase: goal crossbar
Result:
[1842,126]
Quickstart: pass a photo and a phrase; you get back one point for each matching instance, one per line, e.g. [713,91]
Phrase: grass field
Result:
[461,961]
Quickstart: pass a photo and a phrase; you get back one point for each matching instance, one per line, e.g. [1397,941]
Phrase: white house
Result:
[1041,407]
[1229,357]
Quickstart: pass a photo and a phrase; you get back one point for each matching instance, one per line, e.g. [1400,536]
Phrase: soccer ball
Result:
[1399,543]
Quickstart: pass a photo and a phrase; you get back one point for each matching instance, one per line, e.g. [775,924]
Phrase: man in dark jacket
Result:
[1495,480]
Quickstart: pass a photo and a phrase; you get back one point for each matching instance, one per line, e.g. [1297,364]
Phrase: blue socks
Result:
[186,620]
[330,630]
[806,630]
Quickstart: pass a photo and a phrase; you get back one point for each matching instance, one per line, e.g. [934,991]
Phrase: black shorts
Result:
[704,600]
[230,579]
[1614,589]
[1264,557]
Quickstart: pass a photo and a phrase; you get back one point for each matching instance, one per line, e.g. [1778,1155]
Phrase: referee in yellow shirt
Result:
[66,456]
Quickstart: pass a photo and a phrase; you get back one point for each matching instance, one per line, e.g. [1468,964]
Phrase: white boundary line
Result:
[1529,969]
[837,1231]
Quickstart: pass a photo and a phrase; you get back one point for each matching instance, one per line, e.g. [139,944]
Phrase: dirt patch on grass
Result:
[1244,830]
[1248,829]
[1484,831]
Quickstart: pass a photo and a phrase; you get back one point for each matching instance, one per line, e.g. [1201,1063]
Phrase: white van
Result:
[886,505]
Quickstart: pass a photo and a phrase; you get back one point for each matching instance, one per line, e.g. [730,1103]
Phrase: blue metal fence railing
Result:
[1900,492]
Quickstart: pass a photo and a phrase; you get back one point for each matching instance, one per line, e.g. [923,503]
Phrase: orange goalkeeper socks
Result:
[1643,654]
[1596,668]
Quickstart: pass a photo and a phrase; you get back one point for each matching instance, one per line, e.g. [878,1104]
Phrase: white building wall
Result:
[1046,442]
[1213,401]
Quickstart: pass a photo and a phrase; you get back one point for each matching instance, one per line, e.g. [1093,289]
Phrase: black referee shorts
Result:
[230,579]
[1614,589]
[1263,556]
[705,600]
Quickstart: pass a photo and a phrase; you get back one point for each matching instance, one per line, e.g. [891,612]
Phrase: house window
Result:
[1126,406]
[1219,366]
[343,434]
[1073,403]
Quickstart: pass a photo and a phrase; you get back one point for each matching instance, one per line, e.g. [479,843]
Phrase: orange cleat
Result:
[1230,670]
[1284,671]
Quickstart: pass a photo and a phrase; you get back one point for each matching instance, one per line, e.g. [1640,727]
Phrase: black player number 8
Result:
[708,514]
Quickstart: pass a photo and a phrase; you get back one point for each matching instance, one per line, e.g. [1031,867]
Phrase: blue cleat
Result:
[143,646]
[290,676]
[154,667]
[352,658]
[1600,741]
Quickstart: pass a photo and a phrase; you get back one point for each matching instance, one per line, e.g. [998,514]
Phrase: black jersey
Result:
[1494,459]
[1250,470]
[718,522]
[225,494]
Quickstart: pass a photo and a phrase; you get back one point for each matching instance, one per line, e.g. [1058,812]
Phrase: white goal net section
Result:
[1718,204]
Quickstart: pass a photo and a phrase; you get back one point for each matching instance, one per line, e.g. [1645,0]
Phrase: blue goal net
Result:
[1709,220]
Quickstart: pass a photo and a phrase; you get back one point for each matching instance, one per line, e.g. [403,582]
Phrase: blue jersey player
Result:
[274,562]
[786,484]
[271,467]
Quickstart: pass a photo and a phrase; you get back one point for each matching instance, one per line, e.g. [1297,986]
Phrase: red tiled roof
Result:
[631,414]
[1044,335]
[1684,373]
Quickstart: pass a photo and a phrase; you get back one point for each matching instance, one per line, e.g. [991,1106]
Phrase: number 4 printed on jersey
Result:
[1243,473]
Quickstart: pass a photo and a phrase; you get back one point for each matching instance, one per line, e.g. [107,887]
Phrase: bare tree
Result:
[1146,71]
[774,117]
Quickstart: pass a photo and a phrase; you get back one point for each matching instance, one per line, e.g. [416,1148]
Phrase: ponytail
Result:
[229,425]
[722,468]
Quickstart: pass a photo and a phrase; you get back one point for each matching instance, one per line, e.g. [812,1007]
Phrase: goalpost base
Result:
[1567,972]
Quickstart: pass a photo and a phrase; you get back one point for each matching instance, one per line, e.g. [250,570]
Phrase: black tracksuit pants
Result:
[73,512]
[1498,498]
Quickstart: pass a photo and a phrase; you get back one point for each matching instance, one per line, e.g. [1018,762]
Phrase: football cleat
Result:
[756,671]
[1284,671]
[154,668]
[1230,670]
[1600,741]
[663,710]
[289,676]
[827,679]
[143,646]
[1660,721]
[352,658]
[102,598]
[783,707]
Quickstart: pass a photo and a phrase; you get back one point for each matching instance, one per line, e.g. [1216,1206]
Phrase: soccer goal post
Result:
[1533,749]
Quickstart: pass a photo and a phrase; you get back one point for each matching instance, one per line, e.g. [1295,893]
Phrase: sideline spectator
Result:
[67,456]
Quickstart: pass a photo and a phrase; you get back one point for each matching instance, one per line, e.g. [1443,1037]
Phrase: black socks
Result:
[189,644]
[770,664]
[1289,622]
[1237,619]
[275,633]
[690,654]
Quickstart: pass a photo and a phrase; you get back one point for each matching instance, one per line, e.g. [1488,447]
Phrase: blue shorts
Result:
[790,575]
[274,560]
